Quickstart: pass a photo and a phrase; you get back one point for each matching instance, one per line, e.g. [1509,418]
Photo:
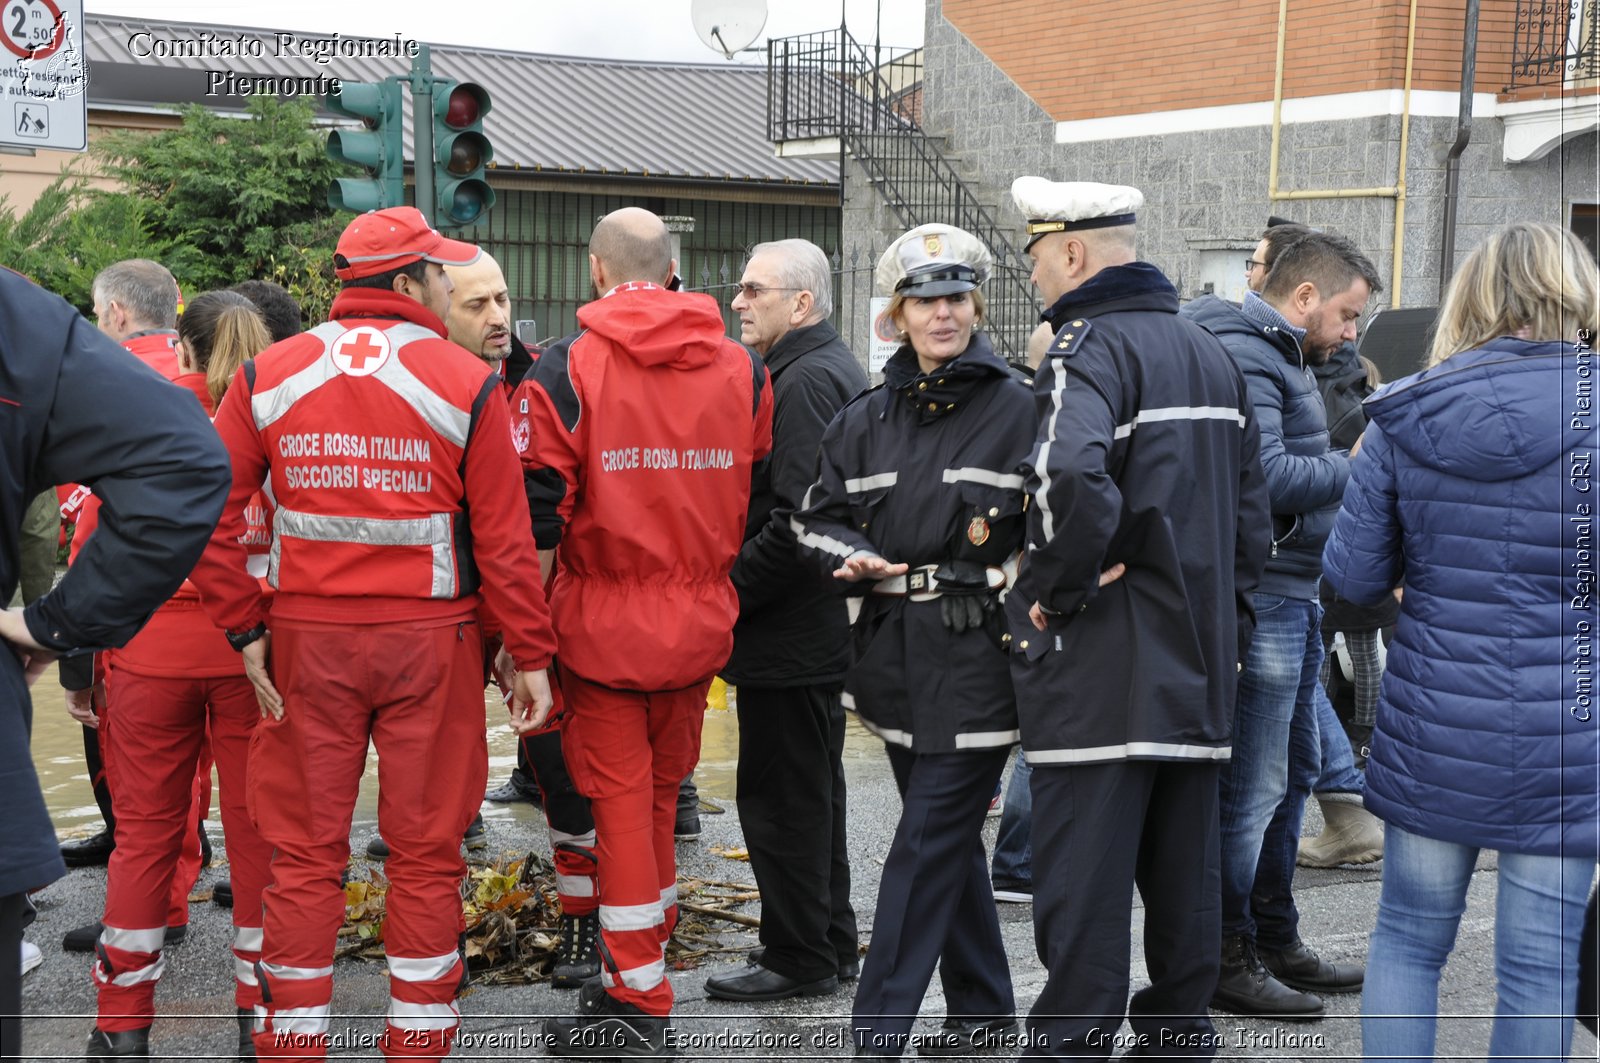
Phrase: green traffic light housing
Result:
[461,152]
[377,147]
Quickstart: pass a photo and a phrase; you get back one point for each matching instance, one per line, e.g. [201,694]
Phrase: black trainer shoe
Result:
[1013,891]
[1300,966]
[92,851]
[577,959]
[247,1042]
[123,1043]
[222,893]
[1248,988]
[965,1037]
[606,1028]
[477,836]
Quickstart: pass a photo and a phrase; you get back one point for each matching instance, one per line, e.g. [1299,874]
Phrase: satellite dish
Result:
[728,26]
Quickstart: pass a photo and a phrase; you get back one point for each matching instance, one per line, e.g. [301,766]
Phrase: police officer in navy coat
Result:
[918,508]
[1146,468]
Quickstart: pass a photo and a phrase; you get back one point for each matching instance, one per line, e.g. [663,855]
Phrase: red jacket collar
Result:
[376,302]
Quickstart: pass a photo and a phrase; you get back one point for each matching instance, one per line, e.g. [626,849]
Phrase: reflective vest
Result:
[365,432]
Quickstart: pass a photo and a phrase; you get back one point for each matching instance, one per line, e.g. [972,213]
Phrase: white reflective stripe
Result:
[298,974]
[575,886]
[986,739]
[307,1021]
[1047,519]
[432,531]
[888,734]
[1169,750]
[816,540]
[871,483]
[586,840]
[669,897]
[451,422]
[143,940]
[404,1015]
[642,978]
[1009,481]
[267,406]
[423,968]
[247,938]
[630,916]
[245,972]
[150,972]
[1179,413]
[256,565]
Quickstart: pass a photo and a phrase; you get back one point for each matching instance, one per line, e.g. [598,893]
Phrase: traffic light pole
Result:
[422,82]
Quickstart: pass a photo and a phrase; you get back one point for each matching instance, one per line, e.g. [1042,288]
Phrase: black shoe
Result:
[964,1037]
[760,983]
[85,938]
[247,1043]
[577,960]
[378,849]
[92,851]
[205,846]
[509,793]
[477,836]
[686,828]
[222,893]
[127,1043]
[849,970]
[1013,891]
[606,1028]
[1247,988]
[1300,966]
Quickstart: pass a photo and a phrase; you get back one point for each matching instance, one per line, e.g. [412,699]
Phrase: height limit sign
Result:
[43,74]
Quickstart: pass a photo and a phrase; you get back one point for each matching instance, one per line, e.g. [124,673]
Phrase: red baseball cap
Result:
[381,240]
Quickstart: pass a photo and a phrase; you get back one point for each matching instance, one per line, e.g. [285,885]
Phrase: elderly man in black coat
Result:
[791,646]
[75,408]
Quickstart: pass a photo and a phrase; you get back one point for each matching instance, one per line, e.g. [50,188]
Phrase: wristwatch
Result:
[240,639]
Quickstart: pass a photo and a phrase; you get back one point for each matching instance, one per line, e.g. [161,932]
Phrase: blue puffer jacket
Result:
[1305,480]
[1473,488]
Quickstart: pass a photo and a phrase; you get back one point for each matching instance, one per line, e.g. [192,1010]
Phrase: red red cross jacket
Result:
[640,436]
[381,440]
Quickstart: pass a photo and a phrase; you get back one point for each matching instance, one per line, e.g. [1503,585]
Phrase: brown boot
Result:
[1350,834]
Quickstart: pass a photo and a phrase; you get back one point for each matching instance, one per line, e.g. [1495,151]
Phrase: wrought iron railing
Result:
[829,85]
[1554,42]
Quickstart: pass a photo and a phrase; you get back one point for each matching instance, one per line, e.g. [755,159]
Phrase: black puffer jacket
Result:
[1305,479]
[792,629]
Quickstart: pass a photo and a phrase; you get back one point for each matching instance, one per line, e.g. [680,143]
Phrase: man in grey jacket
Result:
[790,647]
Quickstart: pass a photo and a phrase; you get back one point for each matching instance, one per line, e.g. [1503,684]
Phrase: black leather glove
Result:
[961,612]
[964,589]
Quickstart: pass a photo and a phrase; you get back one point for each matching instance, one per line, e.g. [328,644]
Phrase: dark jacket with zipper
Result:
[793,629]
[1147,457]
[923,470]
[1305,479]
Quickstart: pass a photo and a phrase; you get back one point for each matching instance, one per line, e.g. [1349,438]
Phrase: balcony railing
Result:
[1554,43]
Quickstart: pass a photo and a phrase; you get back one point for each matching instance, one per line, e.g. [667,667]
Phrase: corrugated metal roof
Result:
[686,121]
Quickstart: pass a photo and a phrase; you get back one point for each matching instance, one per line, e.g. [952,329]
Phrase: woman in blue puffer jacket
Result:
[1472,488]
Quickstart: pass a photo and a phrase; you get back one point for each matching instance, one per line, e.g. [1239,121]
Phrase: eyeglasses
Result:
[1250,264]
[754,291]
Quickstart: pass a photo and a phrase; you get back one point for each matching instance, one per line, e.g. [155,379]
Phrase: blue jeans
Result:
[1270,757]
[1013,851]
[1538,920]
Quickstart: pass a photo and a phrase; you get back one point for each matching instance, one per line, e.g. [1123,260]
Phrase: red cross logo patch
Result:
[361,351]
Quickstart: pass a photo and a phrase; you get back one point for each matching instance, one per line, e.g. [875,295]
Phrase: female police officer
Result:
[919,508]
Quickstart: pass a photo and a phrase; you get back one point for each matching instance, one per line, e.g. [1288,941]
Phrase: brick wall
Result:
[1097,58]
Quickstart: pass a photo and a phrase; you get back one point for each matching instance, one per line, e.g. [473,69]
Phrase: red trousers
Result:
[155,741]
[417,694]
[628,752]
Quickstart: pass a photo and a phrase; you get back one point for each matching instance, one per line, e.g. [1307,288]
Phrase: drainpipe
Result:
[1452,178]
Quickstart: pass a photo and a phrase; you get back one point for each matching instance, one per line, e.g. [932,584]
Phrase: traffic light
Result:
[377,147]
[460,152]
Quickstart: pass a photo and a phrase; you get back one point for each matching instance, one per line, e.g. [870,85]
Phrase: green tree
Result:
[68,235]
[230,198]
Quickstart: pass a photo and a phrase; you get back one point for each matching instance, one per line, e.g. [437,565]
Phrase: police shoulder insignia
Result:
[1070,339]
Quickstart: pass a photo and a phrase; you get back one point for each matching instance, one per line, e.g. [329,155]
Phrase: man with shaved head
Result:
[641,433]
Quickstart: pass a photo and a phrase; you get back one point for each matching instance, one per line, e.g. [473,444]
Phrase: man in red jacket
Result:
[379,438]
[642,431]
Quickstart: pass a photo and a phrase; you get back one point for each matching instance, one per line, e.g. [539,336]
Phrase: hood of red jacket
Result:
[657,326]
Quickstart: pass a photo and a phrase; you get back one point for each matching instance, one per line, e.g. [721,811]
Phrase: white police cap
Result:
[1065,206]
[933,259]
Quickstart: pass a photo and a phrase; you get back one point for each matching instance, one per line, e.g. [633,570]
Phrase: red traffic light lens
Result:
[464,109]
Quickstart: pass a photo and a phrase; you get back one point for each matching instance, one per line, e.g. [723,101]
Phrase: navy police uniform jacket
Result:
[1148,457]
[77,408]
[923,470]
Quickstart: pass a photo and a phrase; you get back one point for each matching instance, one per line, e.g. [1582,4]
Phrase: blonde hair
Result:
[1528,279]
[222,330]
[898,300]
